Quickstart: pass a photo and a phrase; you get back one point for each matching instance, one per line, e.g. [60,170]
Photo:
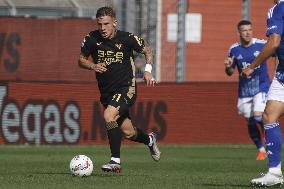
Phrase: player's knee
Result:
[129,133]
[266,118]
[109,115]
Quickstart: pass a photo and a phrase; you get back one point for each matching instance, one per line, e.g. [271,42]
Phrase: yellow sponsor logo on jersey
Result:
[109,57]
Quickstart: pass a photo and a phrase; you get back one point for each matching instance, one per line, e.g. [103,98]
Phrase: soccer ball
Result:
[81,166]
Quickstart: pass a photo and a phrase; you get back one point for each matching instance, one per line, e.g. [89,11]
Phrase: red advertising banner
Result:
[62,113]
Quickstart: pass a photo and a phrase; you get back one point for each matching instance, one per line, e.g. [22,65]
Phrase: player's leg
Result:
[133,133]
[114,114]
[262,154]
[258,118]
[273,135]
[245,107]
[272,128]
[274,109]
[259,103]
[137,135]
[114,135]
[256,137]
[124,101]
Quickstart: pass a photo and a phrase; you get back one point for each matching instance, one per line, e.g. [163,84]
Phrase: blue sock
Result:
[273,143]
[254,133]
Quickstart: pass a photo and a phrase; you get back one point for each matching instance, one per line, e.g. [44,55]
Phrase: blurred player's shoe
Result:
[261,155]
[154,150]
[112,166]
[268,179]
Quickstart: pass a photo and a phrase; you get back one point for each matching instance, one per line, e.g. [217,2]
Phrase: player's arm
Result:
[268,50]
[85,63]
[86,49]
[140,46]
[229,69]
[148,77]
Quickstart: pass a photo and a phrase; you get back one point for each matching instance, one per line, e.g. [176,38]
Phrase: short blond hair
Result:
[105,11]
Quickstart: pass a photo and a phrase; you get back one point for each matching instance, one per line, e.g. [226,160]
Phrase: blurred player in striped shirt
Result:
[252,91]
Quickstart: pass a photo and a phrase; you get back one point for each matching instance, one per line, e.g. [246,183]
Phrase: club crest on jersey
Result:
[118,45]
[99,43]
[256,53]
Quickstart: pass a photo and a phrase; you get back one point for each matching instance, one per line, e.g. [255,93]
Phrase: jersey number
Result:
[116,97]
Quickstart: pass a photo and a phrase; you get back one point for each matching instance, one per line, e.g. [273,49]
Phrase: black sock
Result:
[254,133]
[114,137]
[258,120]
[141,137]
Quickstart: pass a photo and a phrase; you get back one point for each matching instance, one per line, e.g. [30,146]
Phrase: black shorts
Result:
[123,98]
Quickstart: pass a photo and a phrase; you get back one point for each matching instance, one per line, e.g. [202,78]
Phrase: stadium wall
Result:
[55,44]
[205,60]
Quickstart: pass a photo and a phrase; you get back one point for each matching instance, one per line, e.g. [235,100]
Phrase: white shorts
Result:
[247,106]
[276,91]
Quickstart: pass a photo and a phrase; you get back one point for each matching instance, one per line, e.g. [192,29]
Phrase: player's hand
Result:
[229,61]
[100,67]
[246,73]
[149,79]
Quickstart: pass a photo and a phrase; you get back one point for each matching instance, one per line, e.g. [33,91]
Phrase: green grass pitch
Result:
[181,167]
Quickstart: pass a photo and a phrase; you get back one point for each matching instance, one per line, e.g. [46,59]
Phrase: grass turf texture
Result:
[181,166]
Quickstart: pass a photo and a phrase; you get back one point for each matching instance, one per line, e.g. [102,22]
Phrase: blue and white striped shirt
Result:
[244,56]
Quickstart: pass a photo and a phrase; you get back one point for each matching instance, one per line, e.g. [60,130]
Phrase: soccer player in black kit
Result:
[113,63]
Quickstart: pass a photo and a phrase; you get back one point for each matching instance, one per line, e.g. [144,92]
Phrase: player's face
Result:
[245,33]
[106,26]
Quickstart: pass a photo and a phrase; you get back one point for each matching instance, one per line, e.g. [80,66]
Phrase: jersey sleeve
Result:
[275,20]
[136,43]
[87,45]
[231,55]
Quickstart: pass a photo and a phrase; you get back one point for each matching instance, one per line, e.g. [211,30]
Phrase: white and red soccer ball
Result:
[81,165]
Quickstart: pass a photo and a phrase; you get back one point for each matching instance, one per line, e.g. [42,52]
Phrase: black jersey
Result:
[117,54]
